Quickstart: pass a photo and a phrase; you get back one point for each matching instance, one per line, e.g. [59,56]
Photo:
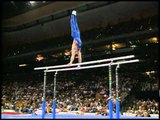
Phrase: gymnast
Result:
[77,43]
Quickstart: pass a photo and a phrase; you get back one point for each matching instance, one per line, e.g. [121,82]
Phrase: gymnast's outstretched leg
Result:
[77,43]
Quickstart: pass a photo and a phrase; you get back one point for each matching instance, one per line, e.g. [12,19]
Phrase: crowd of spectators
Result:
[143,108]
[150,84]
[87,95]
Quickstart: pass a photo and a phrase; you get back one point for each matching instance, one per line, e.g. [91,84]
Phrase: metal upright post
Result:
[54,100]
[117,99]
[110,92]
[43,98]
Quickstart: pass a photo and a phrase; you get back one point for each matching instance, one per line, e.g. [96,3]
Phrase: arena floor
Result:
[69,116]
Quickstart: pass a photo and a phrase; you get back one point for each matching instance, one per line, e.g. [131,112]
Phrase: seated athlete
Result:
[77,43]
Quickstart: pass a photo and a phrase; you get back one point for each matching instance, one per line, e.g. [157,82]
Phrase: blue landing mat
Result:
[69,116]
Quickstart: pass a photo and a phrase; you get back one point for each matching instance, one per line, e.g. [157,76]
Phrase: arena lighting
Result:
[22,65]
[85,63]
[93,66]
[133,46]
[39,57]
[149,72]
[67,52]
[32,2]
[154,40]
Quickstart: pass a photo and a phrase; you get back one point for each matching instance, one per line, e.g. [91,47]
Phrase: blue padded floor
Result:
[69,116]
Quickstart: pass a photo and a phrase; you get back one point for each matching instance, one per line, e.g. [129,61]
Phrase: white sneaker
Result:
[74,12]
